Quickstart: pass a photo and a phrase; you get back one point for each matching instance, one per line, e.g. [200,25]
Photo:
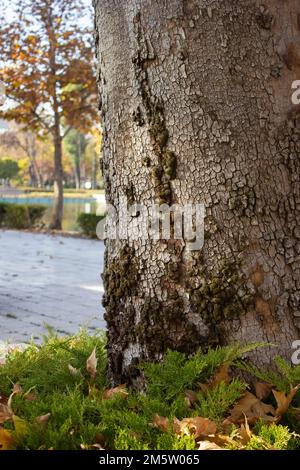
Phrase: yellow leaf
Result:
[6,439]
[21,427]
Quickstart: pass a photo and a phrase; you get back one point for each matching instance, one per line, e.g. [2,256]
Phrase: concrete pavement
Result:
[48,280]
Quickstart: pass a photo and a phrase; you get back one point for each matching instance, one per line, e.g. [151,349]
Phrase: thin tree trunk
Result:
[94,170]
[196,107]
[57,215]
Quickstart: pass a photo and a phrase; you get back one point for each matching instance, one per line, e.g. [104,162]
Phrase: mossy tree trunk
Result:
[209,83]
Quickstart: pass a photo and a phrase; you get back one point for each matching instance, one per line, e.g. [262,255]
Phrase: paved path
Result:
[48,280]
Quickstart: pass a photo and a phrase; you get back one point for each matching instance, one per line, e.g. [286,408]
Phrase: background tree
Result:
[27,142]
[196,107]
[75,145]
[9,169]
[47,69]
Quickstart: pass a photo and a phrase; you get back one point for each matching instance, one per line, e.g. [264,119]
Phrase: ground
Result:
[48,280]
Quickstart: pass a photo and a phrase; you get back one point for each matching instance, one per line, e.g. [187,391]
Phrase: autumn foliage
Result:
[47,68]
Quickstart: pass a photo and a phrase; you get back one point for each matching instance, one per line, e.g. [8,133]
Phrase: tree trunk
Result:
[57,214]
[77,172]
[196,107]
[94,170]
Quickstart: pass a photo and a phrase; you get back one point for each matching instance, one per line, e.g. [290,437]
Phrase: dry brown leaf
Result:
[220,439]
[120,389]
[97,446]
[208,445]
[73,371]
[251,407]
[198,426]
[5,413]
[43,419]
[221,375]
[3,399]
[262,390]
[190,397]
[31,396]
[204,387]
[17,389]
[6,439]
[91,364]
[283,400]
[245,432]
[161,423]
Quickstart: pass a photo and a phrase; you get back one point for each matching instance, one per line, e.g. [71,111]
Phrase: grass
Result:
[59,403]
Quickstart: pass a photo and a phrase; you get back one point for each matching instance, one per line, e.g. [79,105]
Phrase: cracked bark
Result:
[196,107]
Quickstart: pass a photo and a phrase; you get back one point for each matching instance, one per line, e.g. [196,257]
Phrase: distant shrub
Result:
[16,216]
[3,206]
[36,212]
[20,216]
[88,223]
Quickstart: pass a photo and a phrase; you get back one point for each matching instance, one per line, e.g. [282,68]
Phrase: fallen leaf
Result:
[21,427]
[221,375]
[6,439]
[6,413]
[31,396]
[97,446]
[207,445]
[91,364]
[161,423]
[191,398]
[119,390]
[3,399]
[220,439]
[43,419]
[198,426]
[245,432]
[283,400]
[262,390]
[17,389]
[73,371]
[251,407]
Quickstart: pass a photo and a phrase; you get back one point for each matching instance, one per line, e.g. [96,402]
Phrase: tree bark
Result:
[57,214]
[208,83]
